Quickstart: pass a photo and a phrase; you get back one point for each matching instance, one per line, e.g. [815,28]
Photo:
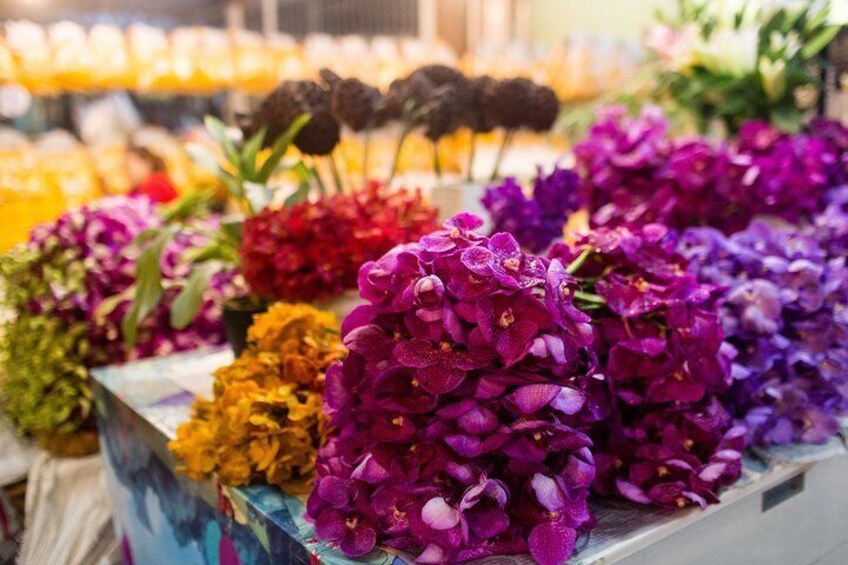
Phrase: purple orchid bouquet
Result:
[635,173]
[484,385]
[785,312]
[668,441]
[459,415]
[536,220]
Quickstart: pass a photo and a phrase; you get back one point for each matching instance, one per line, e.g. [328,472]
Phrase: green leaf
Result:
[233,229]
[148,291]
[203,157]
[193,204]
[207,253]
[281,145]
[257,195]
[786,118]
[188,302]
[218,130]
[109,304]
[817,20]
[819,42]
[234,187]
[301,194]
[146,236]
[249,153]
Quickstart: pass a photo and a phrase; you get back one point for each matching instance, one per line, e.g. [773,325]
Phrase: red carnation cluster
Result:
[313,250]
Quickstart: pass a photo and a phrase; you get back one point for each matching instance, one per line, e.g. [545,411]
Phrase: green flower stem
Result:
[366,150]
[589,297]
[322,188]
[471,154]
[505,143]
[575,265]
[407,128]
[337,178]
[437,162]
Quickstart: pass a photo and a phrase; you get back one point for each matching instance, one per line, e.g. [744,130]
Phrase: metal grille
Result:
[297,17]
[164,13]
[341,17]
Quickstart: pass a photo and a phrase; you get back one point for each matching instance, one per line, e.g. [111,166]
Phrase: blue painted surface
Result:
[163,517]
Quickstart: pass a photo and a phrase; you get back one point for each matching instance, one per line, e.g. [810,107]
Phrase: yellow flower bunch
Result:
[265,422]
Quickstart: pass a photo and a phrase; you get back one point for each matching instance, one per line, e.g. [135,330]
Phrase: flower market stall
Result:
[429,309]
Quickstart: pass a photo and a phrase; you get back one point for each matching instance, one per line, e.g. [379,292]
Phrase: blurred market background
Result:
[82,80]
[100,96]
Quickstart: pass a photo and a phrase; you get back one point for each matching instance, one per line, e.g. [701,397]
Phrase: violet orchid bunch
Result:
[785,312]
[537,220]
[635,173]
[668,441]
[459,417]
[830,228]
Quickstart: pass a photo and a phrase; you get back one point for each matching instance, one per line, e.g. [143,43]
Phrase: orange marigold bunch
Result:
[265,422]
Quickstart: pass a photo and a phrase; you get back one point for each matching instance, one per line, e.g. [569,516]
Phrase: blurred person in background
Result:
[148,175]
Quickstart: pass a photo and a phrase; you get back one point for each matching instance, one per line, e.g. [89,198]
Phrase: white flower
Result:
[773,77]
[726,12]
[674,46]
[729,51]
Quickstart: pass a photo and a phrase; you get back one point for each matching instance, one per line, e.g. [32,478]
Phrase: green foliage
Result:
[44,385]
[247,185]
[781,85]
[148,286]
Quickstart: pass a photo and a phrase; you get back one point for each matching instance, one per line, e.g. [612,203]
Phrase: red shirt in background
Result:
[157,188]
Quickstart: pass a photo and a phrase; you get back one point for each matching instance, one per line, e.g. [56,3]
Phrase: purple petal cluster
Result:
[86,261]
[635,173]
[785,311]
[668,442]
[835,135]
[459,417]
[830,228]
[537,220]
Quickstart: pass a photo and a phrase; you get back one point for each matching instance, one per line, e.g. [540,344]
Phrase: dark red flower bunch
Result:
[313,250]
[659,340]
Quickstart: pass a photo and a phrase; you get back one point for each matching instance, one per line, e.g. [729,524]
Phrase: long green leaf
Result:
[209,252]
[299,195]
[108,305]
[281,145]
[249,153]
[203,157]
[148,291]
[218,130]
[258,195]
[193,204]
[232,230]
[188,302]
[819,42]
